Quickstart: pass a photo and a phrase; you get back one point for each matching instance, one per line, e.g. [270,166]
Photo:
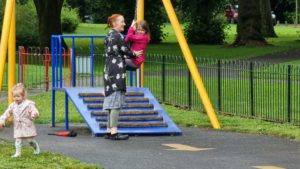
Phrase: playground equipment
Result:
[141,114]
[8,24]
[8,41]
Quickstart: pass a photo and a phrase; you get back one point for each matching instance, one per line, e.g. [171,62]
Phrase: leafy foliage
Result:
[290,17]
[27,25]
[83,6]
[153,14]
[69,19]
[205,23]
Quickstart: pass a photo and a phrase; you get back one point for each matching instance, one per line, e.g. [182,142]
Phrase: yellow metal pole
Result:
[191,64]
[139,17]
[12,54]
[4,37]
[140,10]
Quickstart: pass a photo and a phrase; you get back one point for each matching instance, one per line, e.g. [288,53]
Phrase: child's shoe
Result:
[18,150]
[16,155]
[37,151]
[35,146]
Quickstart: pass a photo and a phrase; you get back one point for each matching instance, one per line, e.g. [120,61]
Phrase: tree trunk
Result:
[49,12]
[267,28]
[249,24]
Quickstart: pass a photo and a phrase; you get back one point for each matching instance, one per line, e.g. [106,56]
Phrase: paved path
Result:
[280,57]
[228,150]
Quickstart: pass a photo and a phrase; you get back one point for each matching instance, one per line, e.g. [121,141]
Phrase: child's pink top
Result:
[138,42]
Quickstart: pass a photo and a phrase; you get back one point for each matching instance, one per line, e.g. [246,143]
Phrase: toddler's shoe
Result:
[37,151]
[16,155]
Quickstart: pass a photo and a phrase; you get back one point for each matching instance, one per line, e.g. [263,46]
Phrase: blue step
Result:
[141,114]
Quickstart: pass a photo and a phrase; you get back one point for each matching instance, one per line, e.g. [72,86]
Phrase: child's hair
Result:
[20,87]
[145,26]
[112,19]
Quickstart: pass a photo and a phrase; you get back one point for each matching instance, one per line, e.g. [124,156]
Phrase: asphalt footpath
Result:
[195,149]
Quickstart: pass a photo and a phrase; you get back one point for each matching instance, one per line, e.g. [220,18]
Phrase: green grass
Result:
[287,39]
[44,160]
[181,117]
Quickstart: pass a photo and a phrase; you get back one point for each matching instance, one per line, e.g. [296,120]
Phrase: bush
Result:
[206,31]
[204,25]
[27,25]
[290,17]
[69,19]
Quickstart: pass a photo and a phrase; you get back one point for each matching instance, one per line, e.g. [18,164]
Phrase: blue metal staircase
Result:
[141,113]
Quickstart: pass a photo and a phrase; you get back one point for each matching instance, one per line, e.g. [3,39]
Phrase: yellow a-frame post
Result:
[191,64]
[140,16]
[8,39]
[188,58]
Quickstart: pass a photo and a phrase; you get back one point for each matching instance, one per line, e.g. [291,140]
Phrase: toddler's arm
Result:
[34,112]
[5,116]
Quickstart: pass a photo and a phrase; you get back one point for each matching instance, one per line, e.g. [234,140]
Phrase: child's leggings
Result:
[130,65]
[32,142]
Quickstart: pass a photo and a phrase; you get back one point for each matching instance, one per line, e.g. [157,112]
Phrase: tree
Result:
[267,28]
[49,17]
[249,24]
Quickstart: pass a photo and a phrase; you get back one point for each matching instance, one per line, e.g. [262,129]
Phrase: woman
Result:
[115,74]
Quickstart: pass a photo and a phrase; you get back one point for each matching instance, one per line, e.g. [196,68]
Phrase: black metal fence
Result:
[249,89]
[243,88]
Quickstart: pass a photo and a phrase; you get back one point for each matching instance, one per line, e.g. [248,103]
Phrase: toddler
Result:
[138,36]
[23,112]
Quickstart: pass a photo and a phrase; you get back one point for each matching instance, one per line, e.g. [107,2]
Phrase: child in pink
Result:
[23,112]
[138,36]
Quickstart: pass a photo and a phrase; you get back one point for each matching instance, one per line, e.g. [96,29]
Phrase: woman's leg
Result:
[130,65]
[114,115]
[108,129]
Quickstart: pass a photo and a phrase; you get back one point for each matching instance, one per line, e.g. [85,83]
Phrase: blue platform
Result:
[94,125]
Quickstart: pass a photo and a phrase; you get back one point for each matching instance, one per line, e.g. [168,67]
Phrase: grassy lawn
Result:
[287,39]
[44,160]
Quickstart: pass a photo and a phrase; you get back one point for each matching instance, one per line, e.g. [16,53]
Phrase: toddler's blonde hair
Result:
[20,87]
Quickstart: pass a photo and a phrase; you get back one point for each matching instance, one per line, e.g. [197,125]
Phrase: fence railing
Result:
[243,88]
[34,67]
[249,89]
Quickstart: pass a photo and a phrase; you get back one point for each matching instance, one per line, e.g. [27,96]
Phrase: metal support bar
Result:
[191,64]
[66,111]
